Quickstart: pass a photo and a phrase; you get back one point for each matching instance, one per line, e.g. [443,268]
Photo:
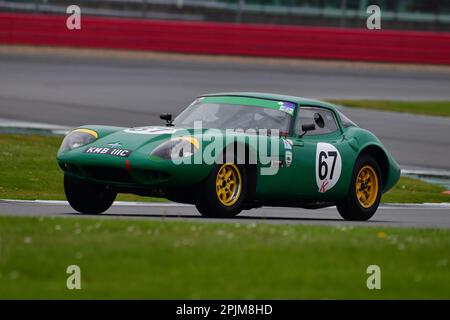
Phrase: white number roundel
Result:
[151,130]
[328,166]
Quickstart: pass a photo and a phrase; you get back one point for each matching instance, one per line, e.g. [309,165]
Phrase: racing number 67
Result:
[323,166]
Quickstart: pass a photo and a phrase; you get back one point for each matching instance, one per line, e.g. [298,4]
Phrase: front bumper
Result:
[135,171]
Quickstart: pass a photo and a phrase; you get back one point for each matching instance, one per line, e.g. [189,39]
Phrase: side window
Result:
[323,120]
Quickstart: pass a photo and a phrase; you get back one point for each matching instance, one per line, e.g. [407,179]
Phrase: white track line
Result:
[427,172]
[173,204]
[10,123]
[117,203]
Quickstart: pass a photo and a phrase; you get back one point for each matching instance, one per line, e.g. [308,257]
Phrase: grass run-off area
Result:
[431,108]
[142,259]
[31,173]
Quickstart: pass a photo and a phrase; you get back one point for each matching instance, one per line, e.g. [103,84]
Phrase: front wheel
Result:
[86,197]
[365,191]
[222,193]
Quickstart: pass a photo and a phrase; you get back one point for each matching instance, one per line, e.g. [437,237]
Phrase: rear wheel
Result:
[223,192]
[86,197]
[365,191]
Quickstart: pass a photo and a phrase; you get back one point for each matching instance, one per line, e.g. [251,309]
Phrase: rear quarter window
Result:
[346,122]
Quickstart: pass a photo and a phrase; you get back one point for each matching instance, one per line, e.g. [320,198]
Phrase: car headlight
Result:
[176,148]
[78,138]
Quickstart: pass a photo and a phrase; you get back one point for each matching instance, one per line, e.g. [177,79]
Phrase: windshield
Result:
[234,116]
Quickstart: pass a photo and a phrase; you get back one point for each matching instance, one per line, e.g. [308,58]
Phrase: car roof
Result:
[273,96]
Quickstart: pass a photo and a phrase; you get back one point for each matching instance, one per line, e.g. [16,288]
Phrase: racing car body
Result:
[232,151]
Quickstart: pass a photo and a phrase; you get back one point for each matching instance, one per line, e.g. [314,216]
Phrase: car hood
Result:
[139,137]
[136,138]
[141,141]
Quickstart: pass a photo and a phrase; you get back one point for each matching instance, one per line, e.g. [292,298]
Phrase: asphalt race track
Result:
[74,91]
[430,216]
[133,92]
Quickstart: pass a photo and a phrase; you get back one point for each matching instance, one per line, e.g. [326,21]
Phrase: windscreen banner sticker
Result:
[328,166]
[151,130]
[287,107]
[123,153]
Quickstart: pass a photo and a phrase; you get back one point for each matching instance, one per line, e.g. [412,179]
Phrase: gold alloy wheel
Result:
[228,184]
[367,186]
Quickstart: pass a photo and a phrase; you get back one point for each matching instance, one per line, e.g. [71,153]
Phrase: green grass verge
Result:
[409,190]
[431,108]
[134,259]
[32,173]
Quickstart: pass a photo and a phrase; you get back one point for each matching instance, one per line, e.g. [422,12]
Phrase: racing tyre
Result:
[86,197]
[365,191]
[222,193]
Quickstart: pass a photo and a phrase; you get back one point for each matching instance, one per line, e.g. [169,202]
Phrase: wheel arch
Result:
[380,157]
[250,163]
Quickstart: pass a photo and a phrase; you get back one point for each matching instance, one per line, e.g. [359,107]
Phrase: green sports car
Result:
[230,152]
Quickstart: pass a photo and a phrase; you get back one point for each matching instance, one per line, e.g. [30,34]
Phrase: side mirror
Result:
[307,127]
[167,117]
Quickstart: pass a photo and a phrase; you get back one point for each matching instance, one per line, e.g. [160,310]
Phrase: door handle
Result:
[299,144]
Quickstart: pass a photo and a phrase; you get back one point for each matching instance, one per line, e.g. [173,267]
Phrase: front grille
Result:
[152,175]
[108,174]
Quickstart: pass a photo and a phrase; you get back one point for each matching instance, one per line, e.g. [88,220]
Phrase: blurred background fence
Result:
[321,29]
[431,15]
[228,38]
